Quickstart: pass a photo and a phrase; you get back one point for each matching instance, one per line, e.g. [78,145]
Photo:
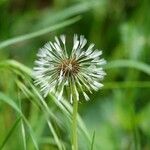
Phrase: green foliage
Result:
[117,117]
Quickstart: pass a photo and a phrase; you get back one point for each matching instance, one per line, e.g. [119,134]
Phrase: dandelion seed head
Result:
[79,72]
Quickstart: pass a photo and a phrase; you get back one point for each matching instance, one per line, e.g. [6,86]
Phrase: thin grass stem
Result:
[75,126]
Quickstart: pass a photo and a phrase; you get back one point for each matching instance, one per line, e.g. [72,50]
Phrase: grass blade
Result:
[10,102]
[49,113]
[44,107]
[93,138]
[130,64]
[127,84]
[16,65]
[32,134]
[10,133]
[22,124]
[71,11]
[55,135]
[38,33]
[23,135]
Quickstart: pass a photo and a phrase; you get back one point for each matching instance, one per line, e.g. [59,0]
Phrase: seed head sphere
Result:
[79,71]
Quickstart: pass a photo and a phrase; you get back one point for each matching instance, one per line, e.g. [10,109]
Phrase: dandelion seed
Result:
[79,72]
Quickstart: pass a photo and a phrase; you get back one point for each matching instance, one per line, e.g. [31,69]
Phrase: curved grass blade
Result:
[130,64]
[22,124]
[54,134]
[10,133]
[37,99]
[47,112]
[16,65]
[50,113]
[38,33]
[34,139]
[10,102]
[127,84]
[23,135]
[71,11]
[93,138]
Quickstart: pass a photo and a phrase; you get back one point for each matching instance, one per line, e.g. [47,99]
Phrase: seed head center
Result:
[69,67]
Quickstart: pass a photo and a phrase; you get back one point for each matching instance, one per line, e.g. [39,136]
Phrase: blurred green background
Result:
[118,115]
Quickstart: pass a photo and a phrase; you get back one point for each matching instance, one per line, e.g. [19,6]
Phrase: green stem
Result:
[135,132]
[74,126]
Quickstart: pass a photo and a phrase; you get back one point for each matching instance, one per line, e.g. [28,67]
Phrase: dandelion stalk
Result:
[75,126]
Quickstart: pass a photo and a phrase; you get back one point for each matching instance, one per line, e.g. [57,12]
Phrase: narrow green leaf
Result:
[38,33]
[16,65]
[10,133]
[10,102]
[22,124]
[23,135]
[129,64]
[54,134]
[31,132]
[127,84]
[45,109]
[71,11]
[93,138]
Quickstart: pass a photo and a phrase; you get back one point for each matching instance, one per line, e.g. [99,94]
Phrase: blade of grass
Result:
[23,135]
[16,65]
[49,123]
[54,134]
[47,140]
[22,123]
[34,139]
[71,11]
[45,109]
[44,105]
[10,133]
[129,64]
[127,84]
[38,33]
[93,138]
[11,103]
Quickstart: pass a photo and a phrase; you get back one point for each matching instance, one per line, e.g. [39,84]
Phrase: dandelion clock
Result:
[80,71]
